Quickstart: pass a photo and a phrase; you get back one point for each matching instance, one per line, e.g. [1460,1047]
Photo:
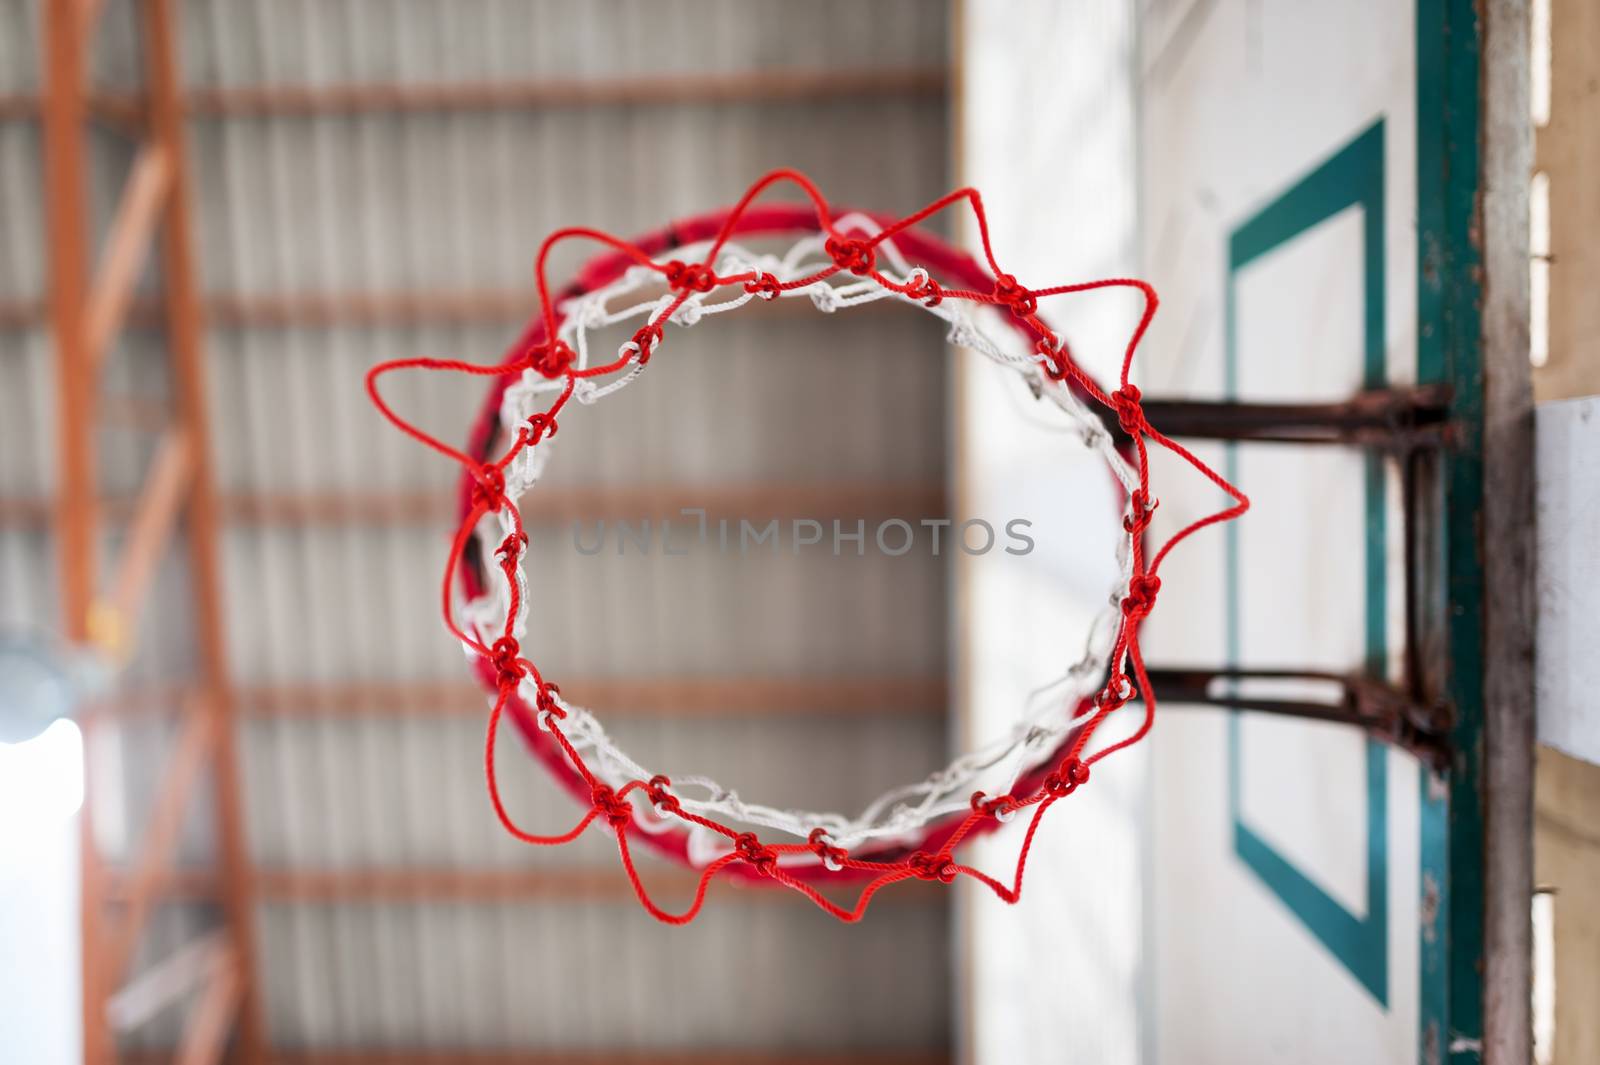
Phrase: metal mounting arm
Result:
[1389,419]
[1411,424]
[1380,709]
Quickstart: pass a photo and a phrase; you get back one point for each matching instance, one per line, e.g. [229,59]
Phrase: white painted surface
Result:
[1569,576]
[1240,100]
[1048,126]
[1237,101]
[1300,548]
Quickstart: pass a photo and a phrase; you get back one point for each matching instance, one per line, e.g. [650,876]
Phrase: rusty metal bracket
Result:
[1411,425]
[1389,419]
[1380,709]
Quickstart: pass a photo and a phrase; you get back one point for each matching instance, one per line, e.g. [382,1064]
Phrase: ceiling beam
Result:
[681,697]
[553,505]
[655,90]
[394,307]
[622,696]
[325,886]
[583,1056]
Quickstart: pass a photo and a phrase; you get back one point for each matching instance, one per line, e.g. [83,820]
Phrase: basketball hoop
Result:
[687,275]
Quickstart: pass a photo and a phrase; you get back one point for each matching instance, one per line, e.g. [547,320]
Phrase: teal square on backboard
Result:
[1352,177]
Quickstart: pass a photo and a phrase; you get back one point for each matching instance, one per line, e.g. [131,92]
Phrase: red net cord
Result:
[502,662]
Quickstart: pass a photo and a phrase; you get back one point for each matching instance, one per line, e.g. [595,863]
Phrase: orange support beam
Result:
[704,696]
[66,215]
[84,320]
[303,885]
[370,308]
[88,15]
[688,696]
[750,86]
[126,248]
[557,504]
[659,90]
[185,330]
[160,840]
[154,515]
[205,1034]
[689,1056]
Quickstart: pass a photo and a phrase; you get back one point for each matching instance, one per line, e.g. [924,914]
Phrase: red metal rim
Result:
[940,258]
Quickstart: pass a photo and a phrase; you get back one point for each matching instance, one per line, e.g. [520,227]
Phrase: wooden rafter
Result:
[397,307]
[154,516]
[555,505]
[771,85]
[126,248]
[308,884]
[911,695]
[161,984]
[205,1033]
[66,215]
[185,331]
[160,842]
[688,1056]
[84,319]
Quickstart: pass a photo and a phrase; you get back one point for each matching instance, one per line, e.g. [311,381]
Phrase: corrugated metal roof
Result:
[441,201]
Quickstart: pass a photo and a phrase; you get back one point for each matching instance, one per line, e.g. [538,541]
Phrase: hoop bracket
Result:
[1380,709]
[1410,424]
[1393,420]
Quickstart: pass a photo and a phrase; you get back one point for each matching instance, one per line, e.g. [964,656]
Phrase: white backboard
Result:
[1293,882]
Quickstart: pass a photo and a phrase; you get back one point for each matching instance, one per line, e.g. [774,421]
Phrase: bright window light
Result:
[1539,269]
[1544,978]
[41,788]
[41,784]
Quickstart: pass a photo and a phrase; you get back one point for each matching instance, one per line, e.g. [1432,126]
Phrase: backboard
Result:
[1307,179]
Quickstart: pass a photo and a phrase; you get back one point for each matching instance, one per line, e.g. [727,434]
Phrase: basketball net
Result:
[683,277]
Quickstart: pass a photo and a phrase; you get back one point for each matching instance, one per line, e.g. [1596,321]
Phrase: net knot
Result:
[537,427]
[1130,415]
[660,797]
[613,807]
[489,489]
[510,548]
[751,849]
[765,285]
[856,256]
[553,359]
[925,866]
[1141,597]
[549,709]
[832,857]
[692,277]
[1066,779]
[1118,692]
[1143,507]
[646,340]
[1054,356]
[1023,303]
[1001,808]
[505,654]
[919,286]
